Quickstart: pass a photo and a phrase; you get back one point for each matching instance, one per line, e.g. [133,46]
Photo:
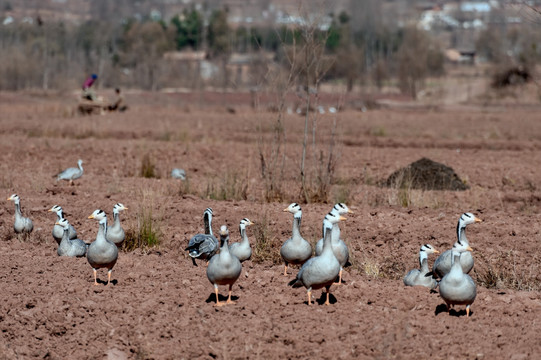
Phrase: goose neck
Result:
[208,224]
[423,257]
[297,226]
[18,209]
[327,242]
[461,233]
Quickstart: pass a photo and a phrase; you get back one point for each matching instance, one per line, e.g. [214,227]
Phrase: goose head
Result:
[295,209]
[63,222]
[224,235]
[56,209]
[15,198]
[245,222]
[467,219]
[331,219]
[98,214]
[428,249]
[119,207]
[80,162]
[341,209]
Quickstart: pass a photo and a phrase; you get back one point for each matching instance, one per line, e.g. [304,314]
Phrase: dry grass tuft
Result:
[230,187]
[148,169]
[500,271]
[267,246]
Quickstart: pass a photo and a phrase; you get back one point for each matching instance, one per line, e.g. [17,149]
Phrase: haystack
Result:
[425,174]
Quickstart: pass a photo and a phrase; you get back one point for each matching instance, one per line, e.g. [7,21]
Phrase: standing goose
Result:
[224,268]
[339,247]
[58,230]
[295,250]
[442,265]
[22,224]
[242,249]
[320,271]
[70,247]
[115,233]
[422,277]
[456,287]
[71,173]
[203,246]
[101,253]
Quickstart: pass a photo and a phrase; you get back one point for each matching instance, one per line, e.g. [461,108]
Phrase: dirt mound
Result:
[426,174]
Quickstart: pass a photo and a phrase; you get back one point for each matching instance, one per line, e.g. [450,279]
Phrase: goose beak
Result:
[91,216]
[50,210]
[436,252]
[285,210]
[125,208]
[477,219]
[251,223]
[57,223]
[342,218]
[469,248]
[350,211]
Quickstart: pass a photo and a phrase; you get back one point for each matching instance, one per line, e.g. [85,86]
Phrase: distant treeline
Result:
[131,54]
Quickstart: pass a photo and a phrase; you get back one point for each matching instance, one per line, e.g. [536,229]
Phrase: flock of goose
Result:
[224,260]
[101,253]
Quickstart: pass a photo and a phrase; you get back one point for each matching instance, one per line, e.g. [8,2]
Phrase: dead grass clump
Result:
[148,169]
[146,233]
[389,268]
[267,246]
[500,272]
[230,187]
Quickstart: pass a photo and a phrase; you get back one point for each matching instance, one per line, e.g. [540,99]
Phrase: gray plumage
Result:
[101,253]
[442,265]
[58,230]
[242,250]
[70,247]
[422,276]
[21,224]
[339,247]
[115,233]
[320,271]
[224,268]
[203,246]
[295,250]
[71,173]
[457,288]
[178,174]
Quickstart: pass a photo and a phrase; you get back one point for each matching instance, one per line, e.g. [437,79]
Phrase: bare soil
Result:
[159,306]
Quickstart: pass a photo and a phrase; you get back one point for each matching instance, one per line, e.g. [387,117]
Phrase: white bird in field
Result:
[320,271]
[422,276]
[22,224]
[71,173]
[224,268]
[295,250]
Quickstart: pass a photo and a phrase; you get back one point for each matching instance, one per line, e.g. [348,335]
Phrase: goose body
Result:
[115,233]
[21,224]
[339,247]
[101,253]
[456,287]
[295,250]
[422,276]
[203,246]
[320,271]
[242,250]
[224,268]
[442,265]
[178,174]
[71,173]
[70,247]
[58,230]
